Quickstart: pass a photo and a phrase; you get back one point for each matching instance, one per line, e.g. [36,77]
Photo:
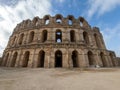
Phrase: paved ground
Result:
[59,79]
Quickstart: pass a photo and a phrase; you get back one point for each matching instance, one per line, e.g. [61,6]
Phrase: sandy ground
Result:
[59,79]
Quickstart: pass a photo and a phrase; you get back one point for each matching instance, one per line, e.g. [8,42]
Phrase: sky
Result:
[104,14]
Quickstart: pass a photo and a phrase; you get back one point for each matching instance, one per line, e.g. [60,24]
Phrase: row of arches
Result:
[47,19]
[58,37]
[58,59]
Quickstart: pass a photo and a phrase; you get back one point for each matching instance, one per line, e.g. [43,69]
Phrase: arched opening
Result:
[58,36]
[58,19]
[6,59]
[31,36]
[86,38]
[72,36]
[35,21]
[81,21]
[13,61]
[41,59]
[70,22]
[25,59]
[58,59]
[102,57]
[91,58]
[75,58]
[44,36]
[112,59]
[98,44]
[47,21]
[13,41]
[21,39]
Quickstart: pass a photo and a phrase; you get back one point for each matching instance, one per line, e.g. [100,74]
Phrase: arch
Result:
[41,59]
[6,59]
[112,58]
[70,19]
[46,20]
[36,21]
[13,41]
[72,36]
[58,58]
[102,57]
[91,58]
[25,59]
[58,18]
[58,35]
[97,41]
[31,36]
[75,58]
[44,35]
[13,61]
[81,19]
[21,39]
[86,38]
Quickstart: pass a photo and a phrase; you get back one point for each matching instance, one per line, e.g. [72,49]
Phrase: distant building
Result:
[57,41]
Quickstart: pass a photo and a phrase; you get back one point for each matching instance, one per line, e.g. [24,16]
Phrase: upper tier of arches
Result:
[48,20]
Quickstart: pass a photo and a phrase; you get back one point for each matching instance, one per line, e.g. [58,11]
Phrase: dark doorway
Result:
[26,59]
[75,58]
[102,56]
[14,59]
[58,59]
[41,59]
[91,58]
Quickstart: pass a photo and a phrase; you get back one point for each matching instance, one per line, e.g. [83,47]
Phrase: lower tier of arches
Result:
[58,58]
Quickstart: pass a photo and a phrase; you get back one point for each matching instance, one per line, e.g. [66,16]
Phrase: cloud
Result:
[100,7]
[112,38]
[23,9]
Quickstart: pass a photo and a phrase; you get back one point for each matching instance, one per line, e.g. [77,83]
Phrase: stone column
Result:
[35,60]
[90,39]
[52,59]
[77,36]
[31,57]
[82,61]
[85,57]
[47,59]
[36,34]
[65,60]
[70,62]
[81,35]
[49,36]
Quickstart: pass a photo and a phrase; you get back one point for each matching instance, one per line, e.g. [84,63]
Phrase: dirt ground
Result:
[59,79]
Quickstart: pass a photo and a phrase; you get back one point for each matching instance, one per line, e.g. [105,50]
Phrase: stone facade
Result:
[57,42]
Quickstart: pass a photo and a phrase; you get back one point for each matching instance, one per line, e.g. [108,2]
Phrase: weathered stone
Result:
[57,42]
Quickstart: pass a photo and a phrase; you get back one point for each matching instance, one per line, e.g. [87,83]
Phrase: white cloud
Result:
[24,9]
[112,38]
[100,7]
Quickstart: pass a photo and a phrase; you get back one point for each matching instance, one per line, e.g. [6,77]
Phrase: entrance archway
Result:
[112,59]
[14,59]
[75,58]
[91,58]
[6,59]
[41,58]
[102,56]
[26,59]
[58,59]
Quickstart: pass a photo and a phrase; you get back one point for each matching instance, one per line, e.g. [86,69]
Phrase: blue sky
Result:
[104,14]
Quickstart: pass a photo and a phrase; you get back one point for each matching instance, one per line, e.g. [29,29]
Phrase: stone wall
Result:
[57,42]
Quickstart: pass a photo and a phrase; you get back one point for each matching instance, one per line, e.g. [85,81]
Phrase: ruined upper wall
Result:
[49,21]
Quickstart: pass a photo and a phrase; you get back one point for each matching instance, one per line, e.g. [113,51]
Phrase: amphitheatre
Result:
[58,53]
[57,41]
